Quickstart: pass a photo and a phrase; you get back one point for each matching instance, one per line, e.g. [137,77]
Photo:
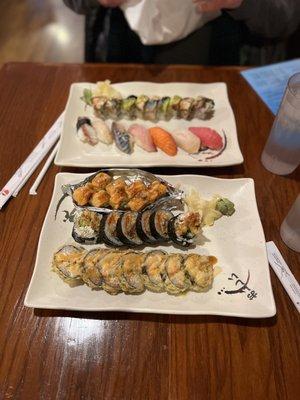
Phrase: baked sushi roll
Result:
[199,270]
[110,269]
[154,271]
[131,279]
[173,108]
[176,281]
[86,228]
[183,228]
[163,105]
[67,263]
[91,273]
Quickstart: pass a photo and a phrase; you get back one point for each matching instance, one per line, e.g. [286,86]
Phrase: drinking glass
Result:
[290,228]
[281,154]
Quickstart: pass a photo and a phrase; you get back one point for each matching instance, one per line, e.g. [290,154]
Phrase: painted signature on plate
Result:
[241,287]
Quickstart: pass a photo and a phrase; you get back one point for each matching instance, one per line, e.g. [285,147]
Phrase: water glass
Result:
[290,228]
[281,154]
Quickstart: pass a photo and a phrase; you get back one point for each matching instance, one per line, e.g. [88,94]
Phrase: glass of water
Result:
[281,154]
[290,228]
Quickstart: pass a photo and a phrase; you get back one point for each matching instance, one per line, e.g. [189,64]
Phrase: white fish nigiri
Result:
[186,141]
[142,137]
[103,132]
[86,132]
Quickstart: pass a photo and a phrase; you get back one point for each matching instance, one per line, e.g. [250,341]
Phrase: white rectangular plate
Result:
[241,289]
[73,152]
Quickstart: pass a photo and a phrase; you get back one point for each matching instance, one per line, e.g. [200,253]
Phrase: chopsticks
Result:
[43,171]
[21,176]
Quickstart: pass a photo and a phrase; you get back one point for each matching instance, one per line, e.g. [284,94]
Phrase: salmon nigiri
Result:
[163,140]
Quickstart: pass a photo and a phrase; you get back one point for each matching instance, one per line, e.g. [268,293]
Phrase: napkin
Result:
[164,21]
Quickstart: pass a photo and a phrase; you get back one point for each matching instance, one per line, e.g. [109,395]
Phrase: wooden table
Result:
[75,355]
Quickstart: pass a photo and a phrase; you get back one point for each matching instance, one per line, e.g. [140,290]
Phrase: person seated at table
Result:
[247,32]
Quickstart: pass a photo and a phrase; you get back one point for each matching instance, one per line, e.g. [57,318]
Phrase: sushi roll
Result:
[110,269]
[176,281]
[140,105]
[151,109]
[86,227]
[143,227]
[91,274]
[163,105]
[154,271]
[86,132]
[108,229]
[98,103]
[126,229]
[203,108]
[128,107]
[159,221]
[122,138]
[187,141]
[131,279]
[185,108]
[102,131]
[142,137]
[199,270]
[67,263]
[173,108]
[112,108]
[183,228]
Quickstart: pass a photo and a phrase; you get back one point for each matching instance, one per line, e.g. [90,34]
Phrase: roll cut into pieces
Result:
[133,272]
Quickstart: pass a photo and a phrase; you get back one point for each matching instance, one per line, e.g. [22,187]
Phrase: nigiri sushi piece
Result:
[187,141]
[122,138]
[142,137]
[209,137]
[163,140]
[86,132]
[102,130]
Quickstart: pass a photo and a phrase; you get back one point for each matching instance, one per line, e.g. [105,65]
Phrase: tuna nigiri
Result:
[209,137]
[163,140]
[142,137]
[86,132]
[102,130]
[187,141]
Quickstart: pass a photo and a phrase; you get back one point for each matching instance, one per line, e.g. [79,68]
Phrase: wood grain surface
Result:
[47,354]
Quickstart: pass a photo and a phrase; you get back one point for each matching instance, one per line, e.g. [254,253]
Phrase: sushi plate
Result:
[242,288]
[73,152]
